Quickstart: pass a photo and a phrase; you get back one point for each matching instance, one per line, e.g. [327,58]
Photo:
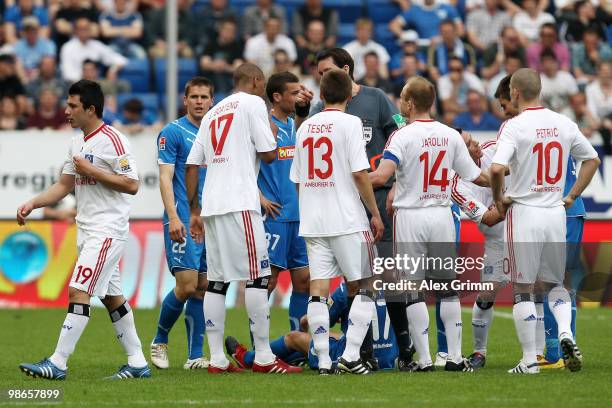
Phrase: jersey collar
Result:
[423,120]
[331,110]
[535,108]
[95,132]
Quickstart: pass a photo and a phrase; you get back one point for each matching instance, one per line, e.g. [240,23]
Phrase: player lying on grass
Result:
[297,345]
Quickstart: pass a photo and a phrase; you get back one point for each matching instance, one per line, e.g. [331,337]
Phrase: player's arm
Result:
[175,228]
[302,105]
[49,197]
[271,208]
[117,182]
[364,186]
[585,175]
[383,172]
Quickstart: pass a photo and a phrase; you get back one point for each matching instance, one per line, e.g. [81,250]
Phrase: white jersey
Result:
[425,153]
[536,145]
[230,136]
[329,148]
[101,210]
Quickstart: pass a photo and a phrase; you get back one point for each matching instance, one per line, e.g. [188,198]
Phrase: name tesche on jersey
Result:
[536,145]
[329,148]
[100,209]
[230,136]
[425,153]
[274,177]
[173,146]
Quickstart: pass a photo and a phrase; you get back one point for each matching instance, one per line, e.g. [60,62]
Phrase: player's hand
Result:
[271,209]
[83,166]
[304,324]
[377,227]
[503,205]
[196,226]
[177,230]
[23,211]
[568,202]
[304,97]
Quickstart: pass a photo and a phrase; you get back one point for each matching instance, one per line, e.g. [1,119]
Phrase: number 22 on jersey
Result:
[221,125]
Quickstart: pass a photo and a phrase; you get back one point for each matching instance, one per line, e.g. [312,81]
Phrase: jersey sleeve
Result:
[68,163]
[506,146]
[260,128]
[197,154]
[295,171]
[167,147]
[393,150]
[121,159]
[358,158]
[462,195]
[581,149]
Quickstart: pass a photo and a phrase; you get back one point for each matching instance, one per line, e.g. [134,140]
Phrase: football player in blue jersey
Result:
[297,345]
[186,258]
[279,199]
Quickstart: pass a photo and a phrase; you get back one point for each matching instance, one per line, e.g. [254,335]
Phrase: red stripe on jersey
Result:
[511,259]
[488,144]
[455,194]
[247,237]
[368,241]
[117,137]
[115,140]
[331,110]
[95,132]
[423,120]
[254,248]
[501,128]
[99,265]
[394,239]
[390,137]
[535,108]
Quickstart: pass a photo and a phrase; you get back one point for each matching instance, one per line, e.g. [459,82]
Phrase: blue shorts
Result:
[188,255]
[573,236]
[286,249]
[336,348]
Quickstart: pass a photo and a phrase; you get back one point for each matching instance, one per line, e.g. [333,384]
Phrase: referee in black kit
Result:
[380,118]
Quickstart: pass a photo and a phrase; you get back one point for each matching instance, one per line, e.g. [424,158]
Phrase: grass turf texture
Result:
[29,335]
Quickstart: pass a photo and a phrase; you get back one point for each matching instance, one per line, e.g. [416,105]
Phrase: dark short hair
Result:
[90,94]
[133,106]
[456,58]
[591,30]
[336,86]
[277,83]
[199,81]
[340,56]
[514,55]
[547,53]
[503,88]
[447,22]
[370,54]
[552,26]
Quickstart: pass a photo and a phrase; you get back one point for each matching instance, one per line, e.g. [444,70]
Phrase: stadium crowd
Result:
[464,46]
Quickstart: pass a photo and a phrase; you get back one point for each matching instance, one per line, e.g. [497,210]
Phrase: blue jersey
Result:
[273,178]
[173,146]
[576,210]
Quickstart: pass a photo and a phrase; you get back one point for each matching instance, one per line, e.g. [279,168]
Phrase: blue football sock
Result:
[170,311]
[552,334]
[298,306]
[194,323]
[574,310]
[442,346]
[279,348]
[249,358]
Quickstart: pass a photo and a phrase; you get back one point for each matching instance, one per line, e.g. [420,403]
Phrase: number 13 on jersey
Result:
[323,147]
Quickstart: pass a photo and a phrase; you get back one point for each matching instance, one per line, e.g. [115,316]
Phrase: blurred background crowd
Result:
[464,46]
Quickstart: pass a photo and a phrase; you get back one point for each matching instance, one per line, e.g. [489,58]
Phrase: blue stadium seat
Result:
[150,101]
[386,38]
[137,73]
[382,11]
[346,33]
[241,5]
[348,10]
[187,69]
[290,6]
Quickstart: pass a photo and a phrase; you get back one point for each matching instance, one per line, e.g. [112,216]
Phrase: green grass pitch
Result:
[29,335]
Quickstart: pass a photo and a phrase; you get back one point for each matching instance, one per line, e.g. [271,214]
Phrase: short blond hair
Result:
[527,82]
[421,92]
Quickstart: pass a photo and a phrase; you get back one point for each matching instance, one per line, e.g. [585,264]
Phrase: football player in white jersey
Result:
[101,170]
[233,137]
[422,156]
[330,170]
[535,146]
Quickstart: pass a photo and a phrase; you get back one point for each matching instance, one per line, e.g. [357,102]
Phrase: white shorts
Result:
[236,247]
[493,270]
[426,233]
[535,244]
[350,255]
[97,268]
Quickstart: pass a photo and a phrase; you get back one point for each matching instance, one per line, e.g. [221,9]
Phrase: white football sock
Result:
[540,335]
[418,324]
[481,323]
[214,304]
[560,305]
[524,314]
[73,327]
[256,301]
[318,323]
[450,313]
[125,328]
[359,319]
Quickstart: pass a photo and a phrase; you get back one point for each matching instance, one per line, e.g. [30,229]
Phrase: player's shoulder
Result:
[115,141]
[489,145]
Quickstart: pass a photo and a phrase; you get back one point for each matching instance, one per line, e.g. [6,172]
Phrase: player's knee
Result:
[78,296]
[272,283]
[300,280]
[217,287]
[259,283]
[523,297]
[485,300]
[414,297]
[352,288]
[447,295]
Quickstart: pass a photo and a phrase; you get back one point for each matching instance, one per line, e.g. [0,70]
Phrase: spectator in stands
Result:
[408,42]
[362,45]
[10,119]
[15,14]
[49,113]
[476,118]
[82,47]
[110,88]
[283,63]
[410,68]
[454,86]
[209,19]
[123,29]
[188,28]
[586,55]
[255,16]
[579,113]
[485,24]
[47,78]
[528,21]
[10,84]
[449,46]
[66,17]
[495,55]
[586,17]
[549,39]
[135,119]
[557,85]
[315,43]
[599,101]
[260,48]
[314,10]
[222,56]
[32,48]
[426,19]
[372,76]
[511,64]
